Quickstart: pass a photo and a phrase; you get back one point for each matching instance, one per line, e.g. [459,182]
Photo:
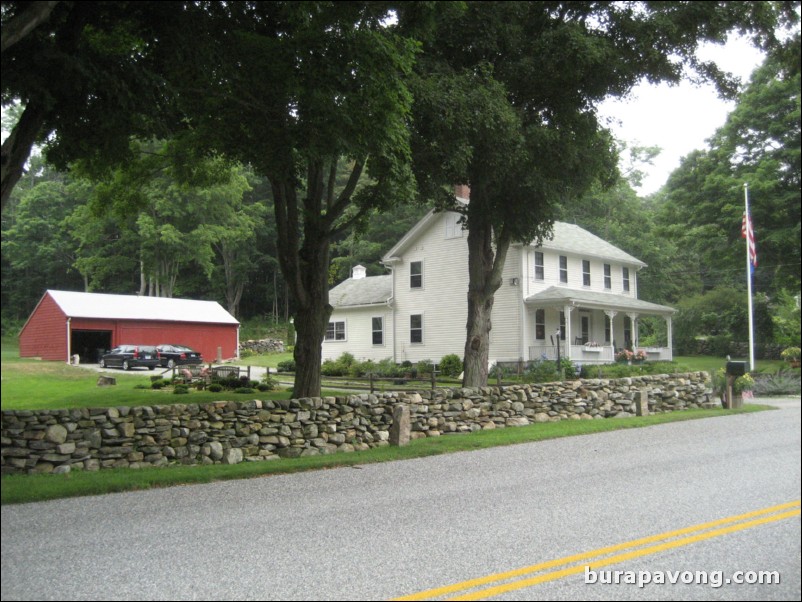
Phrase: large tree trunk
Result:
[485,266]
[311,315]
[305,261]
[17,148]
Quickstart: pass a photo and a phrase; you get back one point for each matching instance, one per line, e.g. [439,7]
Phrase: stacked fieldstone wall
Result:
[232,432]
[262,346]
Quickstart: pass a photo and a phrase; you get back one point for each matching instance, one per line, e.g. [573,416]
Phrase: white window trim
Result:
[374,331]
[541,265]
[562,270]
[422,279]
[422,327]
[589,273]
[607,276]
[453,227]
[326,338]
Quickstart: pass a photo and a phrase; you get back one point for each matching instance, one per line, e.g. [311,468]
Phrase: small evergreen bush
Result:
[214,388]
[451,365]
[181,390]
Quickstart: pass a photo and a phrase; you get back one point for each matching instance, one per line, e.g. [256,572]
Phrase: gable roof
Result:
[568,238]
[133,307]
[372,290]
[571,238]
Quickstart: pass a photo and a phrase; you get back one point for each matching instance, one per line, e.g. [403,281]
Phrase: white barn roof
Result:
[132,307]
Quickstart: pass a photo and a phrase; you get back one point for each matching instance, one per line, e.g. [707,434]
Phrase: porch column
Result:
[669,338]
[611,314]
[567,310]
[635,342]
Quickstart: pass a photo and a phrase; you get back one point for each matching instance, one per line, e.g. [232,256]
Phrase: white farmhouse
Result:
[575,290]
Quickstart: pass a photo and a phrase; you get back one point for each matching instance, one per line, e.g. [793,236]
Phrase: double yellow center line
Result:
[520,578]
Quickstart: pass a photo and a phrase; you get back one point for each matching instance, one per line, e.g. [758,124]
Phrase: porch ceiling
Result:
[558,297]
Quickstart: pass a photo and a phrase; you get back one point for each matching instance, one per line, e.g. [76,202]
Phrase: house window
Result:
[416,328]
[563,269]
[416,274]
[335,331]
[540,324]
[539,273]
[626,279]
[562,325]
[378,330]
[608,278]
[453,225]
[585,272]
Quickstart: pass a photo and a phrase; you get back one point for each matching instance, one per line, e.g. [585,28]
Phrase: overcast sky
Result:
[678,119]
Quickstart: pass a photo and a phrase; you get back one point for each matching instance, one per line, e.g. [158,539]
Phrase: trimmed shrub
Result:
[450,365]
[286,366]
[181,390]
[244,390]
[214,388]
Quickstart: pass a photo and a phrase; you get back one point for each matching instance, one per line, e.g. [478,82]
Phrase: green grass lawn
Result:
[711,364]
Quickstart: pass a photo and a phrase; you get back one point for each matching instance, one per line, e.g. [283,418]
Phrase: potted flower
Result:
[791,355]
[743,386]
[640,355]
[625,355]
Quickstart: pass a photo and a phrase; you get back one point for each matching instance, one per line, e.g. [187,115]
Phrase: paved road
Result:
[394,529]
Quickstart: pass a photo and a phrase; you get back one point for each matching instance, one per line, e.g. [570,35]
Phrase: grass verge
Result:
[33,488]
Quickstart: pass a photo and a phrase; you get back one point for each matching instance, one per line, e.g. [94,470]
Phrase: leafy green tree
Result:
[88,74]
[505,103]
[291,88]
[785,316]
[704,199]
[38,248]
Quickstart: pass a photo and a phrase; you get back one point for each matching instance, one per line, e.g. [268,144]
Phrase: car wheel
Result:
[151,367]
[171,363]
[102,363]
[126,365]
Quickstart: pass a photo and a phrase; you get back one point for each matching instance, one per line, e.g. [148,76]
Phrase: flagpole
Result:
[749,280]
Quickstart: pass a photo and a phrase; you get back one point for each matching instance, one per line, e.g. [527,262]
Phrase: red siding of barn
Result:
[202,337]
[45,333]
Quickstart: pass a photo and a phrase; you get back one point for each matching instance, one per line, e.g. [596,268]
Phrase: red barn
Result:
[66,323]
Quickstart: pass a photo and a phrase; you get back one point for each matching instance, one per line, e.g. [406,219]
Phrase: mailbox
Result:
[736,368]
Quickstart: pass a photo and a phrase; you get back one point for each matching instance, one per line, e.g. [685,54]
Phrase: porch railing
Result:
[582,354]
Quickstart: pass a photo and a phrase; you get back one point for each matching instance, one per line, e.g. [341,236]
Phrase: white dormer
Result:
[359,272]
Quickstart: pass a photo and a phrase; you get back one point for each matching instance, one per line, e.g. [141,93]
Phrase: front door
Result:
[585,321]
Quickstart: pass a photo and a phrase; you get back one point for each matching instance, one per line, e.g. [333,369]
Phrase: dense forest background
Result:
[213,236]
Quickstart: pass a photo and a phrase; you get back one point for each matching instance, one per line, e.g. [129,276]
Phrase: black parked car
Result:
[131,356]
[178,355]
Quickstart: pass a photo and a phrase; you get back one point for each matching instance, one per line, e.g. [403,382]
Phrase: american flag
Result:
[749,234]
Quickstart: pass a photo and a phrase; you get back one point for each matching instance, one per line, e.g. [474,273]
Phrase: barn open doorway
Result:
[90,344]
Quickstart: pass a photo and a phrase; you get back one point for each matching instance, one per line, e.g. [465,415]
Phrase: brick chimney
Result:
[462,191]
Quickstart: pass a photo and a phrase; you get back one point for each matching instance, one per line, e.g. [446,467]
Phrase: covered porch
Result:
[589,327]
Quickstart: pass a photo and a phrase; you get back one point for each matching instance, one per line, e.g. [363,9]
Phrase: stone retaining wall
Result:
[232,432]
[262,346]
